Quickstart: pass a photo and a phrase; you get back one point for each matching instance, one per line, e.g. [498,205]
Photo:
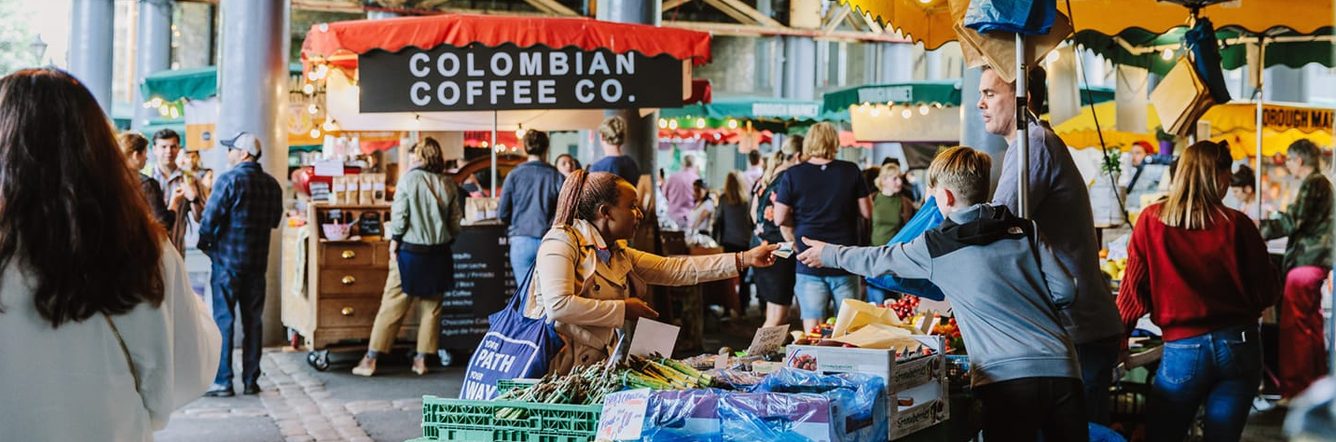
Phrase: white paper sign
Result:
[623,415]
[767,340]
[329,168]
[654,337]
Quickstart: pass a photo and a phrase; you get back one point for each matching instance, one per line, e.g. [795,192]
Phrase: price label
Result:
[623,415]
[768,340]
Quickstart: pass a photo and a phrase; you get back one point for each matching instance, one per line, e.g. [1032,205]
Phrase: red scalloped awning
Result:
[329,41]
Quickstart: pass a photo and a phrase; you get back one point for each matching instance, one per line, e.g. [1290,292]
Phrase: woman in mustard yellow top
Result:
[583,273]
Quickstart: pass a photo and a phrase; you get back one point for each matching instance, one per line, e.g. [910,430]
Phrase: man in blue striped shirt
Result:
[245,206]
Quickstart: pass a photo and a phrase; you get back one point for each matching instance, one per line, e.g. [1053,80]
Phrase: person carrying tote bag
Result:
[424,222]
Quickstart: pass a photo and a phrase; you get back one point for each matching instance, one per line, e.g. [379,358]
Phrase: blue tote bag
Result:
[926,219]
[514,347]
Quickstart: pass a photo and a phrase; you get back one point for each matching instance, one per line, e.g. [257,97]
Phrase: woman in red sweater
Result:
[1201,271]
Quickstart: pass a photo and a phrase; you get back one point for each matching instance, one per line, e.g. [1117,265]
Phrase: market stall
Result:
[445,74]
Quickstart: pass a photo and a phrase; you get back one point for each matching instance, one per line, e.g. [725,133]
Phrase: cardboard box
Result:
[899,375]
[929,407]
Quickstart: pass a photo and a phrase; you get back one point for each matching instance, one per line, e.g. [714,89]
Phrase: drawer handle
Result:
[348,280]
[347,311]
[348,254]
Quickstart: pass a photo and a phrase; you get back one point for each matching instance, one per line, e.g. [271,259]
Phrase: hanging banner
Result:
[507,77]
[201,117]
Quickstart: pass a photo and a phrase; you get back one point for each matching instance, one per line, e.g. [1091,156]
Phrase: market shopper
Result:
[1243,187]
[189,199]
[733,229]
[166,147]
[755,169]
[101,335]
[245,206]
[1024,371]
[1060,203]
[424,221]
[528,201]
[567,164]
[612,134]
[774,284]
[892,207]
[135,148]
[584,268]
[702,213]
[680,192]
[1202,272]
[1307,223]
[822,199]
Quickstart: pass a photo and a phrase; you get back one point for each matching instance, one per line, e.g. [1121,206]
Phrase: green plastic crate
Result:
[458,420]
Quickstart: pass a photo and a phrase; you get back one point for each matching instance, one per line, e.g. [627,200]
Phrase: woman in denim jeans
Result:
[1201,271]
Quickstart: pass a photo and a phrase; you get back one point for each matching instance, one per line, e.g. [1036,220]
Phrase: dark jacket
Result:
[1307,223]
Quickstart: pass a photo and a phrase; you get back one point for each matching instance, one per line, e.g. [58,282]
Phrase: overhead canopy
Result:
[338,42]
[930,21]
[748,108]
[190,84]
[1232,122]
[1144,49]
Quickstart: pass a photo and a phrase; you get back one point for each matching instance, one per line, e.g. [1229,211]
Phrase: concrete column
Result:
[92,30]
[800,68]
[897,63]
[972,132]
[933,62]
[642,132]
[154,50]
[253,86]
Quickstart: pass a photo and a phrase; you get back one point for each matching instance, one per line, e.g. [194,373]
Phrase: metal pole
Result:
[155,51]
[253,88]
[492,147]
[642,130]
[1261,97]
[1022,126]
[92,31]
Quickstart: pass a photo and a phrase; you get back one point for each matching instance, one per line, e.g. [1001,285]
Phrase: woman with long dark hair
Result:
[775,284]
[584,271]
[96,314]
[424,221]
[733,229]
[1202,272]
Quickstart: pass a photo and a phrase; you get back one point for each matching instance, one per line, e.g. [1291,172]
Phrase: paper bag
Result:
[879,337]
[998,49]
[855,314]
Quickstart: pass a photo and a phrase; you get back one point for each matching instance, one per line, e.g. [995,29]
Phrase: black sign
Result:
[483,285]
[478,77]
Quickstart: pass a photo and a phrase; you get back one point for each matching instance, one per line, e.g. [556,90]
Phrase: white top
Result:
[73,383]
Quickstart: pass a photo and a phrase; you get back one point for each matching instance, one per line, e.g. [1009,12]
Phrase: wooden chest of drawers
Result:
[343,284]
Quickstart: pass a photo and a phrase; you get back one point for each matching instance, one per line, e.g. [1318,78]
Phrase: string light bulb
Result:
[700,123]
[732,124]
[315,133]
[906,114]
[663,124]
[1168,54]
[308,89]
[672,124]
[923,109]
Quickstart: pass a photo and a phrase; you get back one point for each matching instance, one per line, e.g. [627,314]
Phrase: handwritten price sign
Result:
[623,415]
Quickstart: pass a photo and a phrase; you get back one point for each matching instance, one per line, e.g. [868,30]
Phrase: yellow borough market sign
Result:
[1306,120]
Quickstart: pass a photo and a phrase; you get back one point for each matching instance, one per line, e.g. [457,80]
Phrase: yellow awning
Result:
[1110,17]
[1232,122]
[930,21]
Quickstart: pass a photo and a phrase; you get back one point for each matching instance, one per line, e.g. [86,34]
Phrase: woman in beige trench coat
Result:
[584,269]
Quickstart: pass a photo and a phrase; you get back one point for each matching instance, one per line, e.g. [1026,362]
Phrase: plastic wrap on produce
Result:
[777,417]
[689,415]
[857,401]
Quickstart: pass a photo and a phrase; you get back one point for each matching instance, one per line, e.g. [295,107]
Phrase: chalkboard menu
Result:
[483,285]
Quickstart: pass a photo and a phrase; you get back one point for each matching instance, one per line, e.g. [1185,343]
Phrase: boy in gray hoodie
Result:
[1006,287]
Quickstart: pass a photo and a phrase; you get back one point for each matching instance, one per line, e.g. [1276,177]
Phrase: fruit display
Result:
[904,307]
[955,343]
[1115,268]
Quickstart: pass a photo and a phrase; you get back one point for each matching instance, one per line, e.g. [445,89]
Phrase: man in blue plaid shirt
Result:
[246,204]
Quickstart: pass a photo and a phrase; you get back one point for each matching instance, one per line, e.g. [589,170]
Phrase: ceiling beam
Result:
[740,30]
[673,4]
[552,7]
[745,9]
[834,20]
[740,16]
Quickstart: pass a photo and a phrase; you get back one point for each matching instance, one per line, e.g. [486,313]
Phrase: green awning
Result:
[156,125]
[945,93]
[938,93]
[191,83]
[1283,50]
[748,108]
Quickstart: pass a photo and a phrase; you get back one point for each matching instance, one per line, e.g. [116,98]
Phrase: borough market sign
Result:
[507,77]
